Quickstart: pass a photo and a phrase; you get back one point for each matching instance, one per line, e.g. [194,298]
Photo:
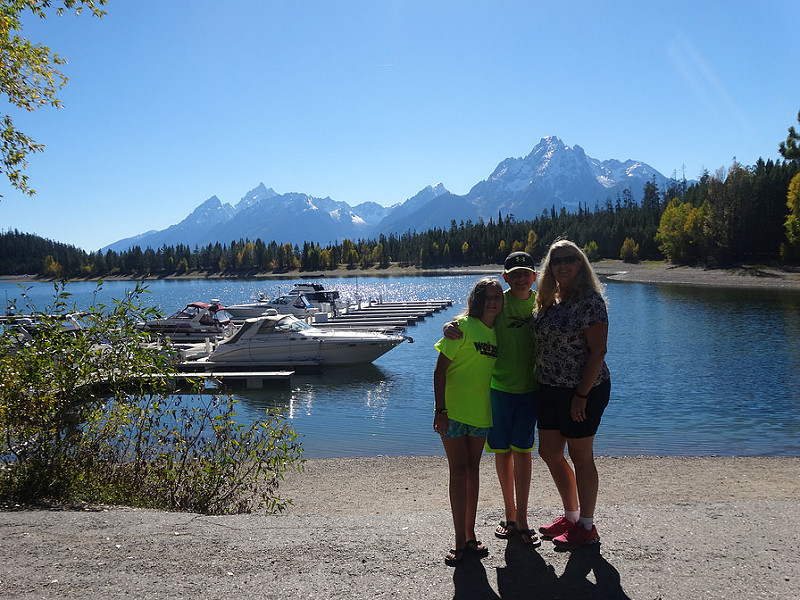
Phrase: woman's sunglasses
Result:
[563,260]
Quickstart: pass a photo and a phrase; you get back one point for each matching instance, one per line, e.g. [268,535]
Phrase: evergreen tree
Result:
[630,251]
[790,149]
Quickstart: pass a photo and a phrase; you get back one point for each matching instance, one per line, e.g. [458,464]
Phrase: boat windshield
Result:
[222,316]
[329,296]
[188,312]
[287,324]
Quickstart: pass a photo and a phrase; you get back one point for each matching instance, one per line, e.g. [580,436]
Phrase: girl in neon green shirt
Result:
[463,413]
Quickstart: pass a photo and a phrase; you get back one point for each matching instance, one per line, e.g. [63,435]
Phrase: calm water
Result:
[695,371]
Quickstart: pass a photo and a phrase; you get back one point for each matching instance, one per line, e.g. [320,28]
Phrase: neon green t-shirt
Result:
[470,372]
[515,369]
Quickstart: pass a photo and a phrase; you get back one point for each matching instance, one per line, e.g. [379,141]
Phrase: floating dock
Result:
[382,316]
[252,379]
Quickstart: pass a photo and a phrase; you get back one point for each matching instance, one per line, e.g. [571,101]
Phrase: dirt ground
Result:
[366,528]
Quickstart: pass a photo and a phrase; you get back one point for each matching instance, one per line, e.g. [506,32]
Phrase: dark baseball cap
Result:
[519,260]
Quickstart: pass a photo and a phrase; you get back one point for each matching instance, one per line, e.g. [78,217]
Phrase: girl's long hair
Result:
[585,281]
[477,297]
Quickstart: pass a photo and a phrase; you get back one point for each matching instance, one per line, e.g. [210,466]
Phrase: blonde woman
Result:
[570,328]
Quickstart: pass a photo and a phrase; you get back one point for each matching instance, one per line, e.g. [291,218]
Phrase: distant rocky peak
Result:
[210,212]
[212,206]
[546,147]
[427,194]
[255,196]
[439,189]
[211,203]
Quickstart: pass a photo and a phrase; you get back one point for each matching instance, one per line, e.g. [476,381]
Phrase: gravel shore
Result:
[742,276]
[366,528]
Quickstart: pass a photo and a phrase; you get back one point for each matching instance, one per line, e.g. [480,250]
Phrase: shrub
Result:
[88,416]
[186,454]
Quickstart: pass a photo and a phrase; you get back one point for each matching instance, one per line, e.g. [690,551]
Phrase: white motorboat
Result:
[288,304]
[284,340]
[303,300]
[20,330]
[328,301]
[195,322]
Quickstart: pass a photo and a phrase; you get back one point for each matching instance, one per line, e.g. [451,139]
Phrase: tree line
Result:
[732,216]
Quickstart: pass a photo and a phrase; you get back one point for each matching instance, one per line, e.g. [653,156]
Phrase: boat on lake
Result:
[195,322]
[274,340]
[287,304]
[20,330]
[302,300]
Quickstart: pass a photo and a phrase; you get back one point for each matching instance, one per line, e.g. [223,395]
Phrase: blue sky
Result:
[170,103]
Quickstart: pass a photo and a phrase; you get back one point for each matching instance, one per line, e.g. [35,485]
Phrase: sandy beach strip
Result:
[742,276]
[399,485]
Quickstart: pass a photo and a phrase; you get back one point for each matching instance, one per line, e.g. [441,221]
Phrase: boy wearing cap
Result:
[513,396]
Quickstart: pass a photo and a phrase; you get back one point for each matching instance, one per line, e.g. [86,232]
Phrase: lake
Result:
[696,371]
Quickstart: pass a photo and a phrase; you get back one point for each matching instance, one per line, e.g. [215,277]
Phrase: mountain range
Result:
[553,175]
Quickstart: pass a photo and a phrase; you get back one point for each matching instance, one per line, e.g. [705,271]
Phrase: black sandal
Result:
[510,528]
[533,540]
[454,557]
[477,548]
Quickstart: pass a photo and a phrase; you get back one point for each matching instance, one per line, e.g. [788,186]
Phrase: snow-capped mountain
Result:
[292,218]
[553,175]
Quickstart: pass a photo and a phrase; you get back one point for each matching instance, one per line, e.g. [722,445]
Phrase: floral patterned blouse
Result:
[561,348]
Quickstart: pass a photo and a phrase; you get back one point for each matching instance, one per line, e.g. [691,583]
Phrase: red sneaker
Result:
[557,527]
[576,536]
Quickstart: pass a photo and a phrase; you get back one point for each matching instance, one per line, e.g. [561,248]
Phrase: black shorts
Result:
[555,404]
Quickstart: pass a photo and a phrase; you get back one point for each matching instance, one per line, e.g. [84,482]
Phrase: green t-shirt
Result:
[515,369]
[470,372]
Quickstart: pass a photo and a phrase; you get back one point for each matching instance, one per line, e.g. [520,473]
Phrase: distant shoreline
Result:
[741,276]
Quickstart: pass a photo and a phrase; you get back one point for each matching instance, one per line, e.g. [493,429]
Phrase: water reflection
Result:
[344,411]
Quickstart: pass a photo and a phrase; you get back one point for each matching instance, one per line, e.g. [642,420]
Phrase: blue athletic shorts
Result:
[457,429]
[555,404]
[513,422]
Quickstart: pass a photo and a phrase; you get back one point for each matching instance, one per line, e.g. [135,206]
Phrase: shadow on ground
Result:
[526,576]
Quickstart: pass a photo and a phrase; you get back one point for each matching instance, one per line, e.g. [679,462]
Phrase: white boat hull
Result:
[266,346]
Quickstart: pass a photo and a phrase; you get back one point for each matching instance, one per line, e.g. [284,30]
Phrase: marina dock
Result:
[382,316]
[252,379]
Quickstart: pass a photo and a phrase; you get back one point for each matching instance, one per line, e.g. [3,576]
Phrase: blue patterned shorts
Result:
[457,429]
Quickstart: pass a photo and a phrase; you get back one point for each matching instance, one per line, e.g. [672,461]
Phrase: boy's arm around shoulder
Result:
[452,331]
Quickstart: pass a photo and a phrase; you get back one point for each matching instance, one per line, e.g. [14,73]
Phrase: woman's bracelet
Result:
[581,396]
[440,411]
